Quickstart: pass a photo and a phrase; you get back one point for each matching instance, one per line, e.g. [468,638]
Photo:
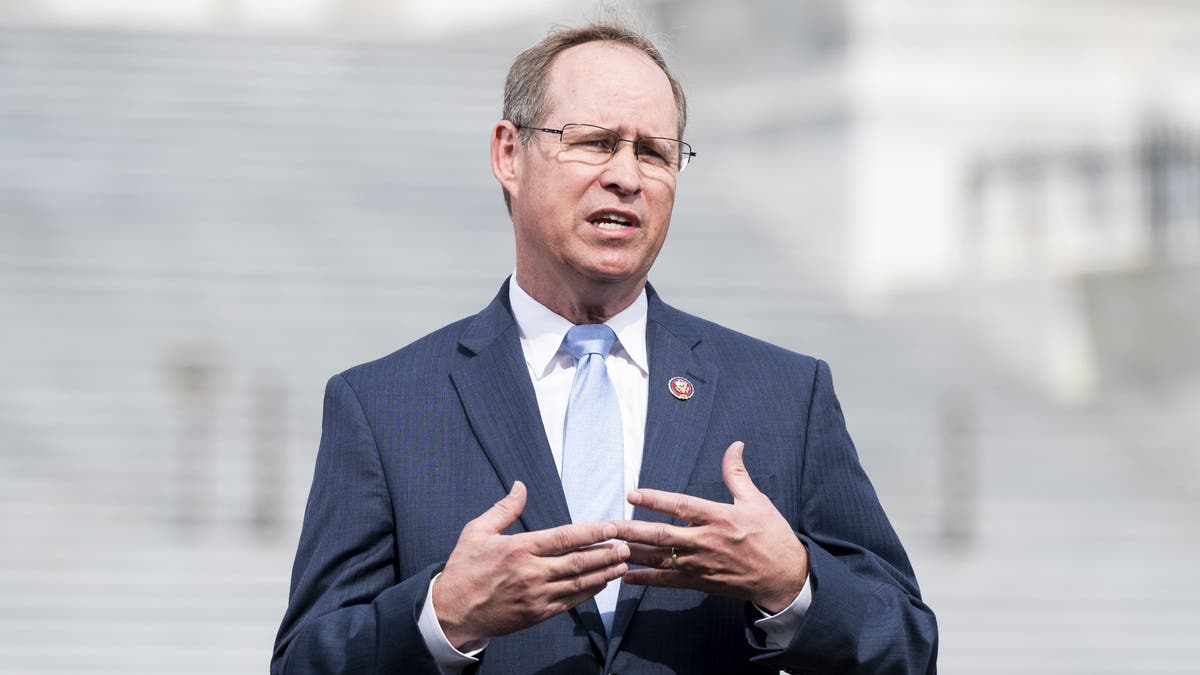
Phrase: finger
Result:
[571,591]
[733,470]
[504,512]
[681,507]
[567,537]
[660,535]
[653,577]
[585,561]
[657,557]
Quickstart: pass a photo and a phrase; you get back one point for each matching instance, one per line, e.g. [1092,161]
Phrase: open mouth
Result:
[611,221]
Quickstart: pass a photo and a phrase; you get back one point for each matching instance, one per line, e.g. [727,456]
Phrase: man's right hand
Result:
[495,584]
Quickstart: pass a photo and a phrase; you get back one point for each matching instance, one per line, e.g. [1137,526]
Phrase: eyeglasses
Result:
[595,145]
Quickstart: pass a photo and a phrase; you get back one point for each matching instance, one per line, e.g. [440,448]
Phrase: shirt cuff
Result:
[449,660]
[781,627]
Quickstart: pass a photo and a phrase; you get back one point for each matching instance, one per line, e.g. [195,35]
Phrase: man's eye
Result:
[604,144]
[654,153]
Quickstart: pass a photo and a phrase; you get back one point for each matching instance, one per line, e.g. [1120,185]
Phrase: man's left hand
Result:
[745,550]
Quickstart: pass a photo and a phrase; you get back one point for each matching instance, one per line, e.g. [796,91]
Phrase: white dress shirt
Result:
[552,371]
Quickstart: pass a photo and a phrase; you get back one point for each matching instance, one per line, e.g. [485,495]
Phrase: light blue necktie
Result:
[593,466]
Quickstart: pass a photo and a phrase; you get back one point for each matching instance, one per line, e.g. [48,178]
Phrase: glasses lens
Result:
[667,153]
[589,143]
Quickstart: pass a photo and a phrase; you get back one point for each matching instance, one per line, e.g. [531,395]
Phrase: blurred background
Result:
[985,214]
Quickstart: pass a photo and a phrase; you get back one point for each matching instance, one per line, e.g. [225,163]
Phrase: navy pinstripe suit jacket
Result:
[416,444]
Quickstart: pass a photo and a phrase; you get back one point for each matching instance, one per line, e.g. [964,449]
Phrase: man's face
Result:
[582,227]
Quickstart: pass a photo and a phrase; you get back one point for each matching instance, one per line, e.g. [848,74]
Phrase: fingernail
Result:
[634,497]
[610,531]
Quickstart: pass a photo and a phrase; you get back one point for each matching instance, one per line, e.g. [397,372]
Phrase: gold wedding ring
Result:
[674,557]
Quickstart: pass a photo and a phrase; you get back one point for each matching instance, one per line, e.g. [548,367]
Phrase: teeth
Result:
[611,221]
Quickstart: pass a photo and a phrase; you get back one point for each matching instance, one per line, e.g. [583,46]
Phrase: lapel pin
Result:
[681,388]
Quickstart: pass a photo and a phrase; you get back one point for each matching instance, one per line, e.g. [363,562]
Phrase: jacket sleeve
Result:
[348,612]
[866,615]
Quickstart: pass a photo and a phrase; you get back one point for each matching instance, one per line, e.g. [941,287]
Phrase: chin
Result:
[616,270]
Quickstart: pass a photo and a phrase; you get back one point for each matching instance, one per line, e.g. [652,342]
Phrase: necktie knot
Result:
[589,338]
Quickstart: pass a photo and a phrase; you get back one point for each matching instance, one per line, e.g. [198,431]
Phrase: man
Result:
[466,511]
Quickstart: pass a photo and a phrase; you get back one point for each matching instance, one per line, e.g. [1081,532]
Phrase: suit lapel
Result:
[675,428]
[497,396]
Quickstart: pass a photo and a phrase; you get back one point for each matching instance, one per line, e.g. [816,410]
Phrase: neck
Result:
[597,305]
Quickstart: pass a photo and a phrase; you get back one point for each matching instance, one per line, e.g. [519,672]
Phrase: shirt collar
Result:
[542,331]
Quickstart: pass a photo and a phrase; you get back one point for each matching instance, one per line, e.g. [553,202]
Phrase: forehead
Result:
[613,85]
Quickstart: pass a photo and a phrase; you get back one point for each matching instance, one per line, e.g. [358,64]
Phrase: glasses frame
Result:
[685,149]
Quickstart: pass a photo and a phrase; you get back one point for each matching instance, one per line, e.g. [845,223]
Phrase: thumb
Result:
[504,512]
[733,470]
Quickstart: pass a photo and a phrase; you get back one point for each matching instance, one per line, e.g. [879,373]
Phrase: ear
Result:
[506,143]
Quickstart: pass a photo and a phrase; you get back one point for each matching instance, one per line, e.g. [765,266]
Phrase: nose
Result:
[623,171]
